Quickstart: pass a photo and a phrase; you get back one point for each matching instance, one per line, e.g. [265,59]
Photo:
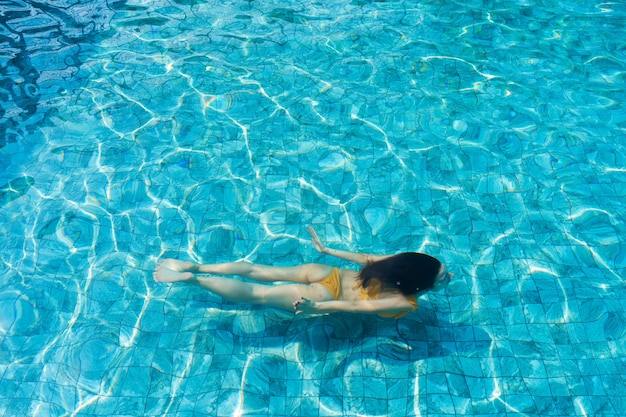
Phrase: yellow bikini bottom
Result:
[332,283]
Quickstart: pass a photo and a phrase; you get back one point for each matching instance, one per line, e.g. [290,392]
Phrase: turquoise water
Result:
[489,134]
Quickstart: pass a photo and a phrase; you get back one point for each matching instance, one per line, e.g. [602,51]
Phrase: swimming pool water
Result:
[489,134]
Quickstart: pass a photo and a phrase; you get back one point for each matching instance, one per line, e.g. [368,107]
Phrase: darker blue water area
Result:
[15,189]
[42,46]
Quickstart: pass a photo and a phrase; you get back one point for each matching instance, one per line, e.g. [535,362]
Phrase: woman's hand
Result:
[316,241]
[304,305]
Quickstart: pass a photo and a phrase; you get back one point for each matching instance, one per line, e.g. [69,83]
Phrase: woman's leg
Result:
[281,296]
[307,273]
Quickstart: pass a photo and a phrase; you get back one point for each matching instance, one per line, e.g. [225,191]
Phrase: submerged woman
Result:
[388,285]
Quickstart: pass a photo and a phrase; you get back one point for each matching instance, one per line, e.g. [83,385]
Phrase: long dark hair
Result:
[408,272]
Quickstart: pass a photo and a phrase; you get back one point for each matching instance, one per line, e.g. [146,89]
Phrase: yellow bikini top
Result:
[372,292]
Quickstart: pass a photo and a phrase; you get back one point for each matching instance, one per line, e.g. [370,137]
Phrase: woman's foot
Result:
[173,270]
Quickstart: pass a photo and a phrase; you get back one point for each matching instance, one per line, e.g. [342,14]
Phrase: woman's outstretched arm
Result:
[392,305]
[360,258]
